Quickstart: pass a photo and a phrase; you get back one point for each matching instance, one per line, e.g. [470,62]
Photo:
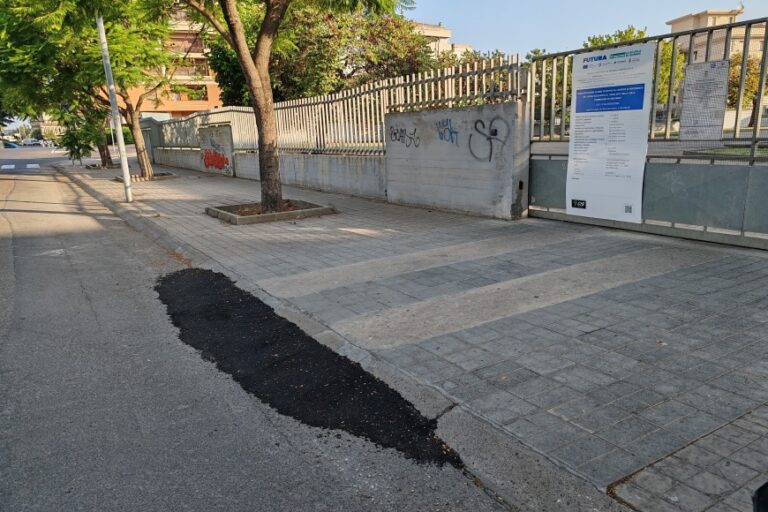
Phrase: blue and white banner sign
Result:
[610,111]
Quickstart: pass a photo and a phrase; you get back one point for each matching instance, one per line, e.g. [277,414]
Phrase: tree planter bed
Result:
[250,213]
[157,177]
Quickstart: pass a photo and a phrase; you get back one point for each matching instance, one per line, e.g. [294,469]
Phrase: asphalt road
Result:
[103,408]
[19,160]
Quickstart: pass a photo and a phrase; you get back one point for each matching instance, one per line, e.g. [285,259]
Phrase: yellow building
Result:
[439,38]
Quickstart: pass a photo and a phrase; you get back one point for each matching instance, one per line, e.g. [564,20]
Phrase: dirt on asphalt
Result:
[274,360]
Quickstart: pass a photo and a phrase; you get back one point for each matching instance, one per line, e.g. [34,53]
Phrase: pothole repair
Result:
[275,361]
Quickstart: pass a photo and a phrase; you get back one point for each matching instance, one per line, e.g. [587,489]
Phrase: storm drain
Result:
[275,361]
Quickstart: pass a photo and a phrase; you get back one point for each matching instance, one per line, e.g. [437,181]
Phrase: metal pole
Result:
[117,124]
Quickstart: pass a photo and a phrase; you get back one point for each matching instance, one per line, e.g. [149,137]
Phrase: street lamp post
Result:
[117,125]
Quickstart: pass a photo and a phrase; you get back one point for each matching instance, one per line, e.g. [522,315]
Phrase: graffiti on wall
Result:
[403,136]
[488,137]
[216,149]
[215,159]
[446,132]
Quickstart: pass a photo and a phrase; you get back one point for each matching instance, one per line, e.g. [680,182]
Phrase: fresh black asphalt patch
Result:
[285,368]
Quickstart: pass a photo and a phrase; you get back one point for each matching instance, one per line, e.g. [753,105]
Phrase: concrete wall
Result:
[185,158]
[471,159]
[354,175]
[347,174]
[216,149]
[701,201]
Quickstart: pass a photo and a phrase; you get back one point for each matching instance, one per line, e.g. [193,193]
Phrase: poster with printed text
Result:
[705,94]
[610,113]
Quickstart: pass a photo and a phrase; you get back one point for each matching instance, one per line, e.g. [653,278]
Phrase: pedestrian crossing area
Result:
[10,167]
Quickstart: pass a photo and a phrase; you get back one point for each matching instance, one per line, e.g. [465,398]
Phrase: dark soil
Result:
[282,366]
[289,205]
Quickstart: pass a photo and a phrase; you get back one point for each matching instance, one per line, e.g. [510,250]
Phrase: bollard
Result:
[760,499]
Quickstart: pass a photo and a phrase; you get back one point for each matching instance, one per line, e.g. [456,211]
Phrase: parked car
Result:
[31,142]
[9,145]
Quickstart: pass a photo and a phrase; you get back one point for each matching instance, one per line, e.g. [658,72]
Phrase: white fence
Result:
[182,133]
[352,121]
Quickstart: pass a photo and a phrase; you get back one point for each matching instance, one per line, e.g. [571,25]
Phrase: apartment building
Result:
[713,18]
[439,38]
[198,89]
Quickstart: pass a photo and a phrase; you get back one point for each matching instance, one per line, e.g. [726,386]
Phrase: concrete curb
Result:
[520,477]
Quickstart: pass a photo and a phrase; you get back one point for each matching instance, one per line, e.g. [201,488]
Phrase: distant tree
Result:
[751,80]
[383,47]
[449,58]
[536,52]
[631,33]
[665,72]
[24,131]
[5,117]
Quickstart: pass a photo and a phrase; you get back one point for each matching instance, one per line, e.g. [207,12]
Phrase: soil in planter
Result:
[289,205]
[278,363]
[136,178]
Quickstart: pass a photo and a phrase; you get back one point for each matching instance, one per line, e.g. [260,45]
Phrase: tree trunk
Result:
[755,110]
[145,164]
[269,158]
[106,157]
[256,72]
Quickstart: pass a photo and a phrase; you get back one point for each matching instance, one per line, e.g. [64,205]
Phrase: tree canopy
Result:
[52,60]
[631,33]
[318,51]
[5,117]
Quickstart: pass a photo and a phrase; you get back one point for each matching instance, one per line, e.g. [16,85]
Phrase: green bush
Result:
[127,136]
[79,140]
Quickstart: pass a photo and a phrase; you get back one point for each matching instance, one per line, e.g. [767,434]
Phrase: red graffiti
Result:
[214,159]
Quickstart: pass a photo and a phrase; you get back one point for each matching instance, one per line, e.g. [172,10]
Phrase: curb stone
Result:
[537,483]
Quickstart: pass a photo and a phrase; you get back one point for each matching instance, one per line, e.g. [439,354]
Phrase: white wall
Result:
[345,174]
[472,159]
[187,158]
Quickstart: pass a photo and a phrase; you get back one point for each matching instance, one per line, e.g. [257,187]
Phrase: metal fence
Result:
[182,133]
[352,121]
[744,130]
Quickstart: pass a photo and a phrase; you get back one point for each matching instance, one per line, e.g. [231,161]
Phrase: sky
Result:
[516,26]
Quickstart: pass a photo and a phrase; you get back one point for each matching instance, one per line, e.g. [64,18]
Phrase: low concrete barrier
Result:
[363,176]
[184,158]
[346,174]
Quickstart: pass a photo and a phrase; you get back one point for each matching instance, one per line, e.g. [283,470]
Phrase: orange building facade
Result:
[198,89]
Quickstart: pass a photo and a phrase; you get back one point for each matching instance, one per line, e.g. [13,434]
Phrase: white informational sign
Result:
[705,94]
[610,112]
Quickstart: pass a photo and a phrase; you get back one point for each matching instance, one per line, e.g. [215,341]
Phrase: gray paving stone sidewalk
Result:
[717,473]
[604,350]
